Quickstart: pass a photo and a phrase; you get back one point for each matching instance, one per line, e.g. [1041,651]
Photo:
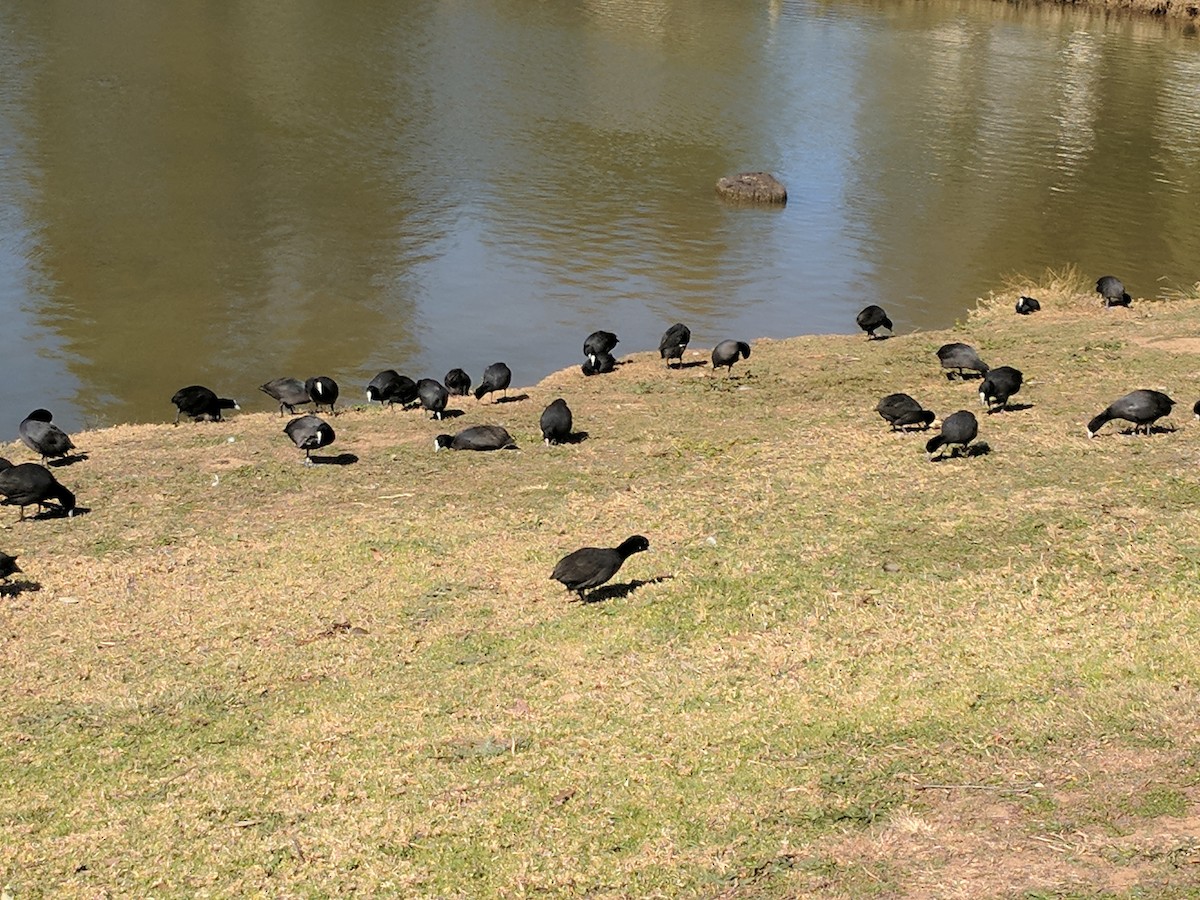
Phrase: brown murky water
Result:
[226,194]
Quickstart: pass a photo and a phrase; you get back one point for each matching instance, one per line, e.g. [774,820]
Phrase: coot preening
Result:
[901,411]
[309,433]
[958,430]
[1142,408]
[458,383]
[8,566]
[390,387]
[199,403]
[477,437]
[599,342]
[496,377]
[323,391]
[1027,305]
[433,396]
[1112,292]
[290,392]
[727,353]
[42,437]
[556,422]
[998,385]
[31,483]
[871,318]
[598,365]
[674,341]
[960,356]
[590,567]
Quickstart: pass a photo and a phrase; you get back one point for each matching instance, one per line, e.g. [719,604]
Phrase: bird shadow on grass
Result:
[575,437]
[964,376]
[13,588]
[516,398]
[1012,407]
[617,591]
[689,365]
[1154,429]
[978,449]
[881,337]
[452,413]
[67,460]
[57,512]
[342,459]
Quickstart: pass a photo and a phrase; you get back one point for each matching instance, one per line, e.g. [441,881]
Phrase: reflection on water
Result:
[227,195]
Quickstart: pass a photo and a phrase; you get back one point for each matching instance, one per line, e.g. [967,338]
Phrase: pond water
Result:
[227,194]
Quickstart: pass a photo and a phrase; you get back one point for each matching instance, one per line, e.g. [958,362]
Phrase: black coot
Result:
[289,392]
[8,566]
[31,483]
[496,377]
[958,430]
[433,396]
[674,341]
[390,387]
[1027,305]
[960,356]
[599,342]
[309,433]
[871,318]
[1112,292]
[590,567]
[998,385]
[458,383]
[42,437]
[901,411]
[477,437]
[1142,408]
[603,362]
[323,391]
[556,422]
[200,404]
[727,353]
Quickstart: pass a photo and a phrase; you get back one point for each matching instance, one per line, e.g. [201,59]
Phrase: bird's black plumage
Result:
[1027,305]
[40,435]
[8,566]
[674,341]
[1196,409]
[31,483]
[998,385]
[323,391]
[599,364]
[390,387]
[433,396]
[871,318]
[727,353]
[496,377]
[289,392]
[1112,291]
[590,567]
[199,403]
[556,422]
[960,356]
[1143,408]
[901,411]
[458,383]
[599,342]
[309,433]
[477,437]
[958,430]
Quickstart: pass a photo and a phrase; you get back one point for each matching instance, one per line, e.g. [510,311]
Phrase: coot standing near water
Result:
[599,364]
[599,342]
[433,396]
[727,353]
[458,383]
[390,387]
[1112,292]
[31,483]
[871,318]
[289,392]
[590,567]
[309,433]
[674,341]
[323,391]
[1027,305]
[556,422]
[496,377]
[198,402]
[40,435]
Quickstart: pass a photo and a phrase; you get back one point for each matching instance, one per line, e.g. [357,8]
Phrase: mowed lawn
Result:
[841,670]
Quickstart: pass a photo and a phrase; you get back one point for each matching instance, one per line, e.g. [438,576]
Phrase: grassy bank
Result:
[841,670]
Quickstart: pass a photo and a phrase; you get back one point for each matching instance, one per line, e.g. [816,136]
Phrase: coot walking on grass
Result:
[199,403]
[42,437]
[998,385]
[958,430]
[290,392]
[590,567]
[1142,408]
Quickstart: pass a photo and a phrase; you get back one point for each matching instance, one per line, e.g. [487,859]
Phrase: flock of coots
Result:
[32,484]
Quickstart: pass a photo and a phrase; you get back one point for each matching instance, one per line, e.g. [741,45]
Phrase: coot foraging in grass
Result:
[674,341]
[556,422]
[433,396]
[1027,305]
[8,566]
[958,430]
[1142,408]
[42,437]
[960,356]
[590,567]
[200,403]
[323,391]
[31,483]
[477,437]
[309,433]
[901,411]
[599,342]
[1112,292]
[390,387]
[290,392]
[598,365]
[727,353]
[496,377]
[457,382]
[998,385]
[871,318]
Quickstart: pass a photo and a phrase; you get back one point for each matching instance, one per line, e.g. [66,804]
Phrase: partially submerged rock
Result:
[752,187]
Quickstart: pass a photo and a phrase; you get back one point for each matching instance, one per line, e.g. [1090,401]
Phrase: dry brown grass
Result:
[239,676]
